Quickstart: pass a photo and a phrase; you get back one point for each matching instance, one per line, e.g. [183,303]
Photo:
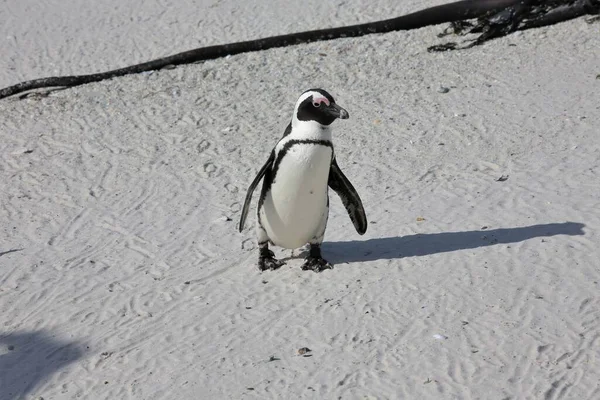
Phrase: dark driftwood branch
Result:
[453,12]
[435,15]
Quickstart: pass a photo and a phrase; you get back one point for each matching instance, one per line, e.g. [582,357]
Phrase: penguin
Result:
[294,201]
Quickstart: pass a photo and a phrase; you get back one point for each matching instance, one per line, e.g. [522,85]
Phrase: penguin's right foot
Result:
[267,260]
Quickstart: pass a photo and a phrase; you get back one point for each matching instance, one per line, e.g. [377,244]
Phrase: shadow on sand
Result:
[433,243]
[29,358]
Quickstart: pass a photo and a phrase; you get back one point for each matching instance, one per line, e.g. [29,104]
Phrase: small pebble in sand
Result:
[22,151]
[443,89]
[304,350]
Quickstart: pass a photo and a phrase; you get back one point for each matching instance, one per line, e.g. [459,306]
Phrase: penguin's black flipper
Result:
[253,185]
[342,186]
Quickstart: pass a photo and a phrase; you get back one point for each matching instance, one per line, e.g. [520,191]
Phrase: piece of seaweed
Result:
[525,14]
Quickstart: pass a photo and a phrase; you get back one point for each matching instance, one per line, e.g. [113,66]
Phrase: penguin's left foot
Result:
[316,264]
[314,261]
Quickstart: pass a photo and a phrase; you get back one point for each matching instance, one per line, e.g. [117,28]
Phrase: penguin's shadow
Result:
[433,243]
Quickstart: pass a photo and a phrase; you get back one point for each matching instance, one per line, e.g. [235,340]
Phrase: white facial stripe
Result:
[303,97]
[306,96]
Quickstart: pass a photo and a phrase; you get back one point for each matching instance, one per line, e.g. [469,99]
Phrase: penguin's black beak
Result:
[336,111]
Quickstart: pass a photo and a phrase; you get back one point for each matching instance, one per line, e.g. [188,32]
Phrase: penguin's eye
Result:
[317,105]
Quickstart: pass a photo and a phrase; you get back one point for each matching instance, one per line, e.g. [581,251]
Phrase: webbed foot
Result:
[267,260]
[314,261]
[316,264]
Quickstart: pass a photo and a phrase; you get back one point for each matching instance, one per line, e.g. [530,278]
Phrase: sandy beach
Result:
[122,273]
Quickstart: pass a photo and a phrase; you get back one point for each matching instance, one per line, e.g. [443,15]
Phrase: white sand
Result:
[40,38]
[127,280]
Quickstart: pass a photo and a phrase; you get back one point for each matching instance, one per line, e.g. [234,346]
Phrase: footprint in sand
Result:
[235,206]
[248,245]
[209,169]
[231,188]
[203,146]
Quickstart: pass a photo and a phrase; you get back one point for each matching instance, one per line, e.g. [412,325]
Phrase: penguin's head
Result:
[319,106]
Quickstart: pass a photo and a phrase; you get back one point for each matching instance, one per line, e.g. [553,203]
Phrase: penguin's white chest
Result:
[296,208]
